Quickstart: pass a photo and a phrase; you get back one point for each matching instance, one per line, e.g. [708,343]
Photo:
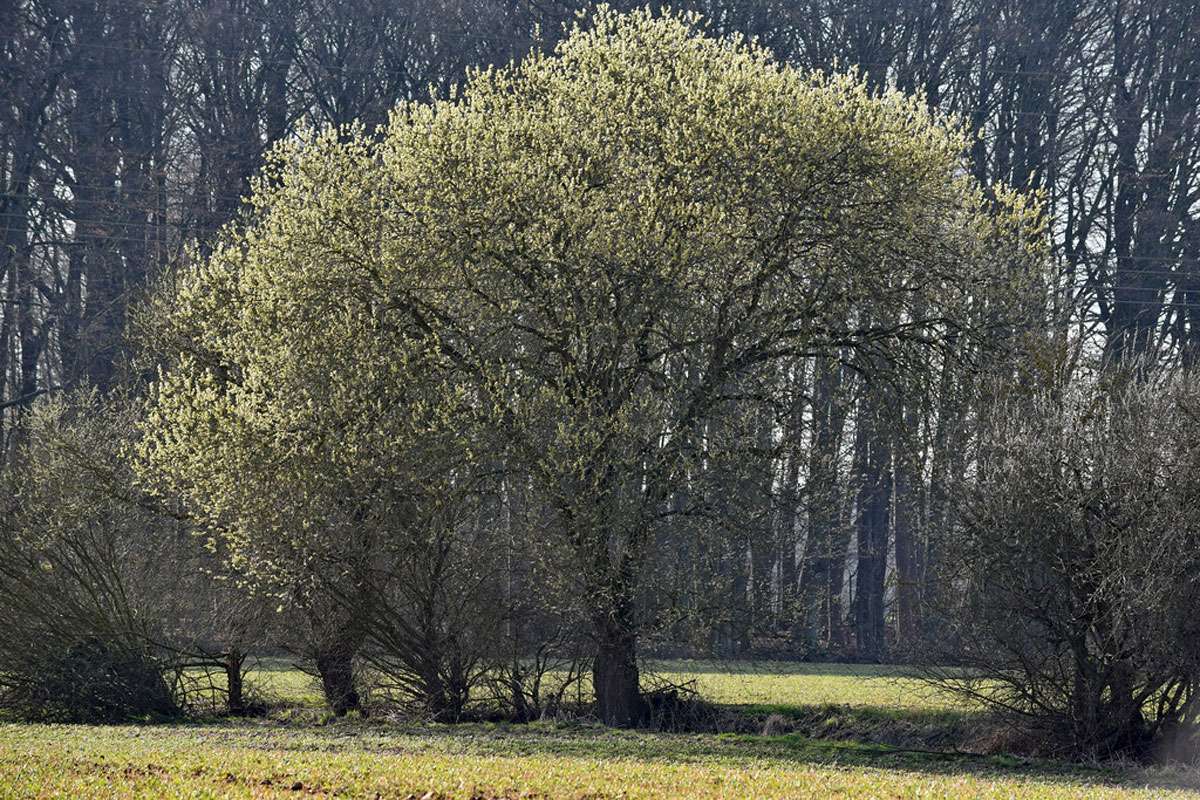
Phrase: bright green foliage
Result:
[586,256]
[315,432]
[293,390]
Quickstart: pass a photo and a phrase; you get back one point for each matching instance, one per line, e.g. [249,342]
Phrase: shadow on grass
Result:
[777,668]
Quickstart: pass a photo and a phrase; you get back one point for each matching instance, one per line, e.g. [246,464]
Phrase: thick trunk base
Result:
[336,668]
[615,679]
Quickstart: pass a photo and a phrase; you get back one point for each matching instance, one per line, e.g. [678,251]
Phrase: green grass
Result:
[764,685]
[267,759]
[278,680]
[792,683]
[876,704]
[276,757]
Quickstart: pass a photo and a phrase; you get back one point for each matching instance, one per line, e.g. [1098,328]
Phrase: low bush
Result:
[89,682]
[85,574]
[1077,559]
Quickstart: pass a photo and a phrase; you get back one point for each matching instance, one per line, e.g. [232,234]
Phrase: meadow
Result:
[843,731]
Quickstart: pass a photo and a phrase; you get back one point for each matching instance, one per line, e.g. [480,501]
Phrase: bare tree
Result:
[1075,560]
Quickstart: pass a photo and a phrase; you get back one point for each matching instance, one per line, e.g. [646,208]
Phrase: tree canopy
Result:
[565,271]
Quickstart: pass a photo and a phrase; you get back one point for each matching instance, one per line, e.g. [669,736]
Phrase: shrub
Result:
[1077,557]
[91,681]
[84,574]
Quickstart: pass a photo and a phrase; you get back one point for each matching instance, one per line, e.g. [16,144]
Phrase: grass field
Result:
[765,685]
[291,755]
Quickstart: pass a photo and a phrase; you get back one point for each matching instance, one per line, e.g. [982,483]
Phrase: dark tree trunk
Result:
[874,500]
[234,677]
[789,494]
[832,610]
[615,677]
[907,579]
[788,574]
[335,665]
[823,559]
[907,470]
[764,548]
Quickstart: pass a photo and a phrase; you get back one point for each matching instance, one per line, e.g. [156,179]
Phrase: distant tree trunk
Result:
[823,559]
[788,512]
[907,476]
[764,549]
[907,579]
[17,263]
[833,615]
[17,311]
[31,337]
[874,501]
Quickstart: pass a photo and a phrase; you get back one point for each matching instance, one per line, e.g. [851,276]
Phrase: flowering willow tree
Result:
[584,259]
[318,434]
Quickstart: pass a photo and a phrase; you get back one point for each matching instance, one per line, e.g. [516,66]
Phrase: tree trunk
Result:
[874,501]
[789,494]
[789,575]
[907,471]
[233,675]
[832,612]
[823,559]
[908,624]
[764,548]
[615,678]
[335,665]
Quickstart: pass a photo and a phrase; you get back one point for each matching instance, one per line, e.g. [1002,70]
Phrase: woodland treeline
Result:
[131,130]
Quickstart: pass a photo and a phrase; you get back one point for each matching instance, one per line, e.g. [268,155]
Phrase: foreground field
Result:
[357,760]
[281,757]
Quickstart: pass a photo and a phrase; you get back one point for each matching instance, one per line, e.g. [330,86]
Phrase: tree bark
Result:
[233,674]
[874,501]
[615,677]
[907,580]
[335,665]
[823,559]
[906,468]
